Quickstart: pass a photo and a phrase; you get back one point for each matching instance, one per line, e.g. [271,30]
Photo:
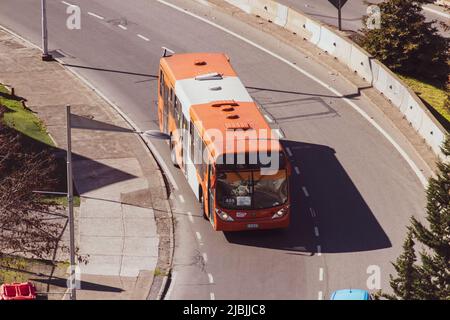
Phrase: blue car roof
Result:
[350,294]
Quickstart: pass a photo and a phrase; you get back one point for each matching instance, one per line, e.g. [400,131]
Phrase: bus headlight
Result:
[280,213]
[224,216]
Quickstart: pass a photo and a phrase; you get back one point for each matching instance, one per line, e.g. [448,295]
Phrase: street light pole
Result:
[45,55]
[73,295]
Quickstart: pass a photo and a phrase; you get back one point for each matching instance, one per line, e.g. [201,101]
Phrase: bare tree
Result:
[24,225]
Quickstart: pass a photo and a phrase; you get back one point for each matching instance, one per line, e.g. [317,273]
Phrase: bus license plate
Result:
[252,226]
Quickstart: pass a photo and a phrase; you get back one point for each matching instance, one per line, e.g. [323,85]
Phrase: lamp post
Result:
[73,292]
[45,55]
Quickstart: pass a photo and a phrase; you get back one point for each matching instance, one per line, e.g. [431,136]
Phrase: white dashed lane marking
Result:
[313,212]
[297,170]
[205,257]
[122,27]
[198,235]
[319,250]
[143,38]
[305,191]
[181,198]
[191,218]
[320,295]
[212,296]
[316,231]
[321,274]
[288,150]
[95,15]
[210,278]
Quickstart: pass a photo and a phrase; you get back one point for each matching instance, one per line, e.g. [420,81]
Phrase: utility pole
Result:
[72,277]
[45,55]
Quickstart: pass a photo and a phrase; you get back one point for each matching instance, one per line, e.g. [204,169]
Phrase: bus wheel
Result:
[202,204]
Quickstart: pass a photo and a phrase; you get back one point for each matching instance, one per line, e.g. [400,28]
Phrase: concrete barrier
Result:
[244,5]
[335,45]
[295,23]
[389,84]
[422,120]
[360,62]
[269,10]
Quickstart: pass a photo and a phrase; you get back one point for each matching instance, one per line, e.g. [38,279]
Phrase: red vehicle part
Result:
[18,291]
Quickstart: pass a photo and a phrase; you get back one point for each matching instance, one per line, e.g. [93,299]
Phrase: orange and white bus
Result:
[222,143]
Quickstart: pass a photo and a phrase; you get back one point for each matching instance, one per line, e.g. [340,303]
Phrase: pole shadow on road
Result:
[345,221]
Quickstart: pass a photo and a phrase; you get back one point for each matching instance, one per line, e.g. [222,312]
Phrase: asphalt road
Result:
[353,11]
[354,192]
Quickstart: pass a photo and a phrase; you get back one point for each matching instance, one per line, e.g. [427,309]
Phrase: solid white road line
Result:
[210,278]
[316,231]
[320,295]
[297,170]
[320,274]
[212,296]
[305,191]
[122,27]
[142,37]
[95,15]
[405,156]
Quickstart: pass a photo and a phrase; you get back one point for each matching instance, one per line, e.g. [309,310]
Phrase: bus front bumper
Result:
[257,224]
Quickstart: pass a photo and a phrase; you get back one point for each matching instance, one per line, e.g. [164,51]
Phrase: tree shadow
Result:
[334,204]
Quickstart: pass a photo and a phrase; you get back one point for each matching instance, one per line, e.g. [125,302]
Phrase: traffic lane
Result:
[287,81]
[278,77]
[269,264]
[265,77]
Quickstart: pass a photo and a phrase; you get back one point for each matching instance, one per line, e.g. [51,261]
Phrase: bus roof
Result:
[189,65]
[213,97]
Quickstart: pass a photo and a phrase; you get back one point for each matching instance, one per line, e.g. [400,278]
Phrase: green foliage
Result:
[447,100]
[429,280]
[406,43]
[21,119]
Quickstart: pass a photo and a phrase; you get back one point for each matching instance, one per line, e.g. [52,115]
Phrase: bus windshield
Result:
[251,190]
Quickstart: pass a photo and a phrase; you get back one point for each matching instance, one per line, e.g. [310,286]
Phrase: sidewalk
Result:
[120,184]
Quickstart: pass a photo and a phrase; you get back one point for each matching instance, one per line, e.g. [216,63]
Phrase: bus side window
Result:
[191,144]
[176,106]
[165,97]
[161,83]
[203,164]
[197,153]
[171,100]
